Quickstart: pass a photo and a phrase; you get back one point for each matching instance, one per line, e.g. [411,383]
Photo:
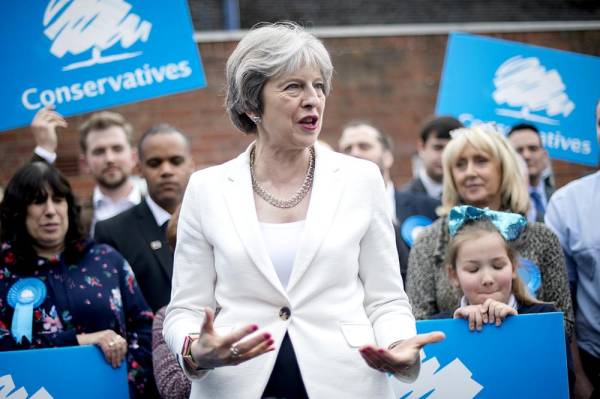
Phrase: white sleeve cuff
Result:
[50,157]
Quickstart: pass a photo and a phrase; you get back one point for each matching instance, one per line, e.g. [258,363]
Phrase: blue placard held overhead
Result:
[490,80]
[87,55]
[523,358]
[70,372]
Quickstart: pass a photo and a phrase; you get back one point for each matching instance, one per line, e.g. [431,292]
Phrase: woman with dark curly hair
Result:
[83,293]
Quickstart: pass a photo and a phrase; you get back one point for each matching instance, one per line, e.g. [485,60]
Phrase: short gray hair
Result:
[268,51]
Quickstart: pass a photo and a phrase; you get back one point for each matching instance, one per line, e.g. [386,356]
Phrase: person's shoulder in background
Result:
[447,314]
[170,379]
[536,308]
[414,186]
[409,203]
[104,230]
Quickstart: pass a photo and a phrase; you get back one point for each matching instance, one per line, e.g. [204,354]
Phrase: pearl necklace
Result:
[298,195]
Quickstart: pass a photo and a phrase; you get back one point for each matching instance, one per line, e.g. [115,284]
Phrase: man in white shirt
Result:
[573,214]
[526,140]
[434,136]
[106,153]
[362,140]
[139,233]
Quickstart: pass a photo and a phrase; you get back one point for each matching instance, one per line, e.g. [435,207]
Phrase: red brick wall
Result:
[367,12]
[391,81]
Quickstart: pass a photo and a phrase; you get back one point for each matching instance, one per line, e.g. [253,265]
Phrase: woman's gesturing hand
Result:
[401,356]
[112,345]
[212,350]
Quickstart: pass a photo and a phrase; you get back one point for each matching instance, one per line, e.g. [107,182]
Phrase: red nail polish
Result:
[270,342]
[267,335]
[381,351]
[254,327]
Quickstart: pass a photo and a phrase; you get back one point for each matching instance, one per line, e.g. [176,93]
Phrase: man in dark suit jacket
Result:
[527,141]
[434,136]
[415,186]
[362,140]
[139,233]
[410,209]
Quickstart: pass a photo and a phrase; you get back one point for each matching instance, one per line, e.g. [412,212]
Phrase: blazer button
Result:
[284,313]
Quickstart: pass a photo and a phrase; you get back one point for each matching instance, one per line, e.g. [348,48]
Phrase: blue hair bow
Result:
[510,225]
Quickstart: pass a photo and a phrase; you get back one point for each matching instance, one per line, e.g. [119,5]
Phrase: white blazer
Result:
[345,289]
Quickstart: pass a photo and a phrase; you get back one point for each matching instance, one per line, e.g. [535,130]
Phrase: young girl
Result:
[483,264]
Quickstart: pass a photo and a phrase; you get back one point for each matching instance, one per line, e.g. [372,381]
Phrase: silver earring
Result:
[256,119]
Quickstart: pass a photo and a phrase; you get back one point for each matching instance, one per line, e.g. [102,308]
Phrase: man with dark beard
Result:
[106,153]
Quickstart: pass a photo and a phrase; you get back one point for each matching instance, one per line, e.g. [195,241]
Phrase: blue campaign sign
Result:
[71,372]
[523,358]
[85,55]
[490,80]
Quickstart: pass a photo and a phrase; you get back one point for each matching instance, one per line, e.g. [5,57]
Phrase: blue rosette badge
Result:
[25,295]
[412,227]
[531,275]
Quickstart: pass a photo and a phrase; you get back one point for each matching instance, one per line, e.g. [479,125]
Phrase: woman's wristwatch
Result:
[186,352]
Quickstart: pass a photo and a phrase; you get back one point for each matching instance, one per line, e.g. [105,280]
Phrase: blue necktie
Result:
[536,198]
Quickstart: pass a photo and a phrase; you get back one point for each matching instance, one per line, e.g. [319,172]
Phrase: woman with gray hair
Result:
[292,244]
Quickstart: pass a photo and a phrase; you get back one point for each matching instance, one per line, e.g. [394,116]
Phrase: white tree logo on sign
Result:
[525,83]
[7,386]
[78,26]
[454,380]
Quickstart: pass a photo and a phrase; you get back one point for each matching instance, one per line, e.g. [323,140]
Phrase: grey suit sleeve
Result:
[554,276]
[420,280]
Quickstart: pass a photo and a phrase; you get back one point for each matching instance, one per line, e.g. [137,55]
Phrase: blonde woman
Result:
[481,169]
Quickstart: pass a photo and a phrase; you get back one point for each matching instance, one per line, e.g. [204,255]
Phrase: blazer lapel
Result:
[155,239]
[239,198]
[325,197]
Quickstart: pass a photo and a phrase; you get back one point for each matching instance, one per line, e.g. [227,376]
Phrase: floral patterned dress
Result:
[98,293]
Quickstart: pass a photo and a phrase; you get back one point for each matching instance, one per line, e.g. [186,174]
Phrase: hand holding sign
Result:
[44,125]
[112,345]
[490,311]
